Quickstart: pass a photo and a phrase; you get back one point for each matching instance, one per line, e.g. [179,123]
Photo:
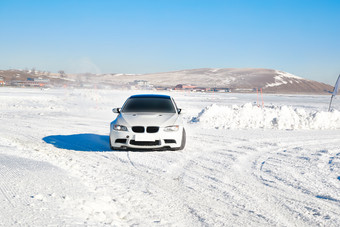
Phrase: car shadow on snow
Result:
[80,142]
[86,142]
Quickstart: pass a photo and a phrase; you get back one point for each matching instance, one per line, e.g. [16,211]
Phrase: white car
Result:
[150,122]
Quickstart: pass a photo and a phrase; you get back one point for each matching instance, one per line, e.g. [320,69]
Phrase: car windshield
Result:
[159,105]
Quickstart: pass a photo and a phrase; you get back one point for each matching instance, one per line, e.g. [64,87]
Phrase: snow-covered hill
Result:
[240,79]
[237,79]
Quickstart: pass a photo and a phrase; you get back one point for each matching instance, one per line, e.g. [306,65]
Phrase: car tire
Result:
[184,140]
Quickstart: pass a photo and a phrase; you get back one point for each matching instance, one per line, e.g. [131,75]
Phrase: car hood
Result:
[147,119]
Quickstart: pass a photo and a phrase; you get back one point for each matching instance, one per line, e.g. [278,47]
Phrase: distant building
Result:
[221,89]
[28,83]
[2,81]
[41,80]
[141,84]
[185,87]
[161,88]
[202,89]
[246,90]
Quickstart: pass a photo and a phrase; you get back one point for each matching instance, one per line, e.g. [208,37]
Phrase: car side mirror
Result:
[116,110]
[179,111]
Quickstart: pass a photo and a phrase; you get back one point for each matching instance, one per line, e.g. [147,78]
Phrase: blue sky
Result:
[143,36]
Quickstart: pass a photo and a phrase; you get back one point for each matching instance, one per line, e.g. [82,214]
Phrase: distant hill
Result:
[14,74]
[237,79]
[22,75]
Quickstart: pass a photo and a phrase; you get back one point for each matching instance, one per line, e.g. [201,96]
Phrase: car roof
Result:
[150,96]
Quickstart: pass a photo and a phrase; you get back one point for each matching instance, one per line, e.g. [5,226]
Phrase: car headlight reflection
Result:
[172,128]
[119,128]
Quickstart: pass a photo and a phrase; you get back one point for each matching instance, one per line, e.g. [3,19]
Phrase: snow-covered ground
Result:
[243,165]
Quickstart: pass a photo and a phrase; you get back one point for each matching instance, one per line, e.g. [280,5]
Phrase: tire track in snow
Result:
[11,173]
[300,198]
[191,195]
[252,167]
[167,181]
[181,171]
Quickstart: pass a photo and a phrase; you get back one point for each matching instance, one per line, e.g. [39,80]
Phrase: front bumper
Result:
[159,140]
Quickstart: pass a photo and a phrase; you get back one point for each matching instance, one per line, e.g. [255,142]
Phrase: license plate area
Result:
[145,137]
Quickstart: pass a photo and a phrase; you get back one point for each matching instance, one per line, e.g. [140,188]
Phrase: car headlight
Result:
[171,128]
[119,128]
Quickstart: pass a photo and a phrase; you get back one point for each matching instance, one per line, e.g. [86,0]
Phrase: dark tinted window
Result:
[160,105]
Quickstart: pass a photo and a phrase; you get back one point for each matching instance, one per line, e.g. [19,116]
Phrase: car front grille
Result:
[141,129]
[152,129]
[138,129]
[145,143]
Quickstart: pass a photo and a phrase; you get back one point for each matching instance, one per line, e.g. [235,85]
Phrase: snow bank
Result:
[274,117]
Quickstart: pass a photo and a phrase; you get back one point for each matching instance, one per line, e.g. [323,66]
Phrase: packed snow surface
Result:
[251,116]
[56,168]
